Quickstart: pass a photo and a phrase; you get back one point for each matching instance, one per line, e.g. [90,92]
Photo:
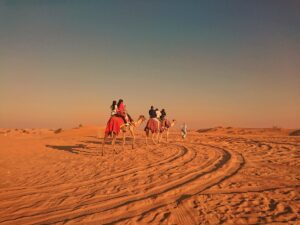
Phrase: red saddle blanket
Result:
[152,125]
[114,125]
[164,125]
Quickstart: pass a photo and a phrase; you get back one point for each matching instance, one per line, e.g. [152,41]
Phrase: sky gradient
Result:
[208,63]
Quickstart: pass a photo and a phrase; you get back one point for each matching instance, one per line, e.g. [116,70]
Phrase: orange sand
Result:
[218,176]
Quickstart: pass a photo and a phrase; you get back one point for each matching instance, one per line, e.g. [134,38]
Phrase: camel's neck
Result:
[172,124]
[138,122]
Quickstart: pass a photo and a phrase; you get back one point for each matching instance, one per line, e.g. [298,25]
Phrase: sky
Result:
[208,63]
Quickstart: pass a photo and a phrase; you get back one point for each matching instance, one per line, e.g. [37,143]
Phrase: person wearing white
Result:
[184,131]
[158,114]
[114,108]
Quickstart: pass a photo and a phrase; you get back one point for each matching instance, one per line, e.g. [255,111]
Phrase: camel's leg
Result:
[160,137]
[133,136]
[113,142]
[152,137]
[167,135]
[103,143]
[157,138]
[124,139]
[147,136]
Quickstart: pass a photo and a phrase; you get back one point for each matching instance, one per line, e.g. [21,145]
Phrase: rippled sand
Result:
[248,177]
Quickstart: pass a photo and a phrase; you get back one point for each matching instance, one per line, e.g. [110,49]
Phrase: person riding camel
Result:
[158,114]
[164,122]
[114,108]
[163,114]
[152,112]
[121,111]
[153,123]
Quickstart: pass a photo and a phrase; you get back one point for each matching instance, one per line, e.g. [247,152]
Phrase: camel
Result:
[124,129]
[153,128]
[167,129]
[152,137]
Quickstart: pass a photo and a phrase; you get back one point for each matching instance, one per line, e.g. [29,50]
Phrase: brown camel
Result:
[153,136]
[152,128]
[167,129]
[124,129]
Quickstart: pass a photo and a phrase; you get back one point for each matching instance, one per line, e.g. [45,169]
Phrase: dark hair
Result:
[113,104]
[152,107]
[120,101]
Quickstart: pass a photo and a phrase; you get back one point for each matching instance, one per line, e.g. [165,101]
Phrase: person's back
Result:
[121,108]
[114,108]
[122,112]
[158,114]
[152,112]
[163,114]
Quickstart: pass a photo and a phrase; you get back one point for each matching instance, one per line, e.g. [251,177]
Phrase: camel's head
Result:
[173,122]
[142,117]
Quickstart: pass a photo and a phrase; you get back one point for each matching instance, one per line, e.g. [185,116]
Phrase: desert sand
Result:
[217,176]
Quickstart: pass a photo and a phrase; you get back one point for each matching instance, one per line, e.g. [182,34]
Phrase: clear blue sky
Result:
[208,63]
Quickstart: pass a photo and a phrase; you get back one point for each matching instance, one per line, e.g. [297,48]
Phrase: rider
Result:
[158,114]
[163,114]
[163,120]
[121,111]
[153,122]
[114,108]
[152,112]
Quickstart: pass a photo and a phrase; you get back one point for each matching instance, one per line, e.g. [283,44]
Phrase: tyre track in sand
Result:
[192,169]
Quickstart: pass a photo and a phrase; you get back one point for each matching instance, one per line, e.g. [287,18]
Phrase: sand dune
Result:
[218,176]
[275,131]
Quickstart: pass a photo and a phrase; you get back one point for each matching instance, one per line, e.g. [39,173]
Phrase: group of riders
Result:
[157,118]
[118,109]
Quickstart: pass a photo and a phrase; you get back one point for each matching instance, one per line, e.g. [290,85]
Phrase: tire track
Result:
[225,164]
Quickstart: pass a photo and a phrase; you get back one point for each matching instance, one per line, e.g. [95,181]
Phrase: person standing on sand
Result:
[184,131]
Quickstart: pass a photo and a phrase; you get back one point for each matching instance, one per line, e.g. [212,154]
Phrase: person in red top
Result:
[121,111]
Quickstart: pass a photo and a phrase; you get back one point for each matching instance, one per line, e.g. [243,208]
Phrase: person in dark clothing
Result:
[152,112]
[163,114]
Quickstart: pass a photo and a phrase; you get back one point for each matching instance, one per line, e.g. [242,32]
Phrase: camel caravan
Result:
[121,122]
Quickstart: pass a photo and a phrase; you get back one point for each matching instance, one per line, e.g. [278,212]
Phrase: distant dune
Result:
[247,131]
[295,133]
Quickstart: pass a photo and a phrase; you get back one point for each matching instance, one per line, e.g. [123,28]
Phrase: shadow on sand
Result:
[75,149]
[108,141]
